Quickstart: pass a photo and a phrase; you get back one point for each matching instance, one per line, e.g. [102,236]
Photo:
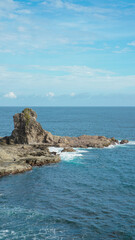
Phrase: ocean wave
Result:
[113,146]
[81,150]
[110,146]
[121,145]
[55,149]
[68,156]
[47,233]
[131,143]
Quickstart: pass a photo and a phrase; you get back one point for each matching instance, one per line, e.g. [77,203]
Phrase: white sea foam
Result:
[125,144]
[131,143]
[4,233]
[121,145]
[55,149]
[67,156]
[111,146]
[81,150]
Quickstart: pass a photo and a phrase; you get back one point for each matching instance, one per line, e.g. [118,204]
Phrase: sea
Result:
[89,195]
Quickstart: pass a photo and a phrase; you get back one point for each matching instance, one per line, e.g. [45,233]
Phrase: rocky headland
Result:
[28,144]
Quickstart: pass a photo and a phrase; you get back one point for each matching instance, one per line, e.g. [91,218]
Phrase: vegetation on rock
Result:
[26,112]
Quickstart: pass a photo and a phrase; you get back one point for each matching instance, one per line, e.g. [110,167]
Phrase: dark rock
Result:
[68,149]
[114,141]
[123,141]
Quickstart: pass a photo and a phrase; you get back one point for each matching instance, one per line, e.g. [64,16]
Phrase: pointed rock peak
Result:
[26,129]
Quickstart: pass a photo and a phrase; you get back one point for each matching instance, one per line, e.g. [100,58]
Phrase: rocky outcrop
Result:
[123,141]
[68,149]
[27,145]
[21,158]
[28,131]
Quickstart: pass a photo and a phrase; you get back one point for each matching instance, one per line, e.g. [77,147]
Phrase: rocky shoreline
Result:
[28,144]
[21,158]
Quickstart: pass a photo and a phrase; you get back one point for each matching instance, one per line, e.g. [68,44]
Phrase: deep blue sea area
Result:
[89,195]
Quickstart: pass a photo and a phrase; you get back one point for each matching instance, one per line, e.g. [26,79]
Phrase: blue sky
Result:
[67,53]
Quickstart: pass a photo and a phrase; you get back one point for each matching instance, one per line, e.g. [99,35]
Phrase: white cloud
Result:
[72,94]
[21,29]
[10,95]
[32,29]
[132,43]
[117,47]
[24,11]
[8,7]
[123,50]
[5,51]
[74,70]
[63,80]
[76,7]
[50,94]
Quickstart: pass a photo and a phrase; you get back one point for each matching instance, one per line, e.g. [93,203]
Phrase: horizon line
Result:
[64,106]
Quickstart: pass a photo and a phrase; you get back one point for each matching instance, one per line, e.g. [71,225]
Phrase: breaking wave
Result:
[131,143]
[68,156]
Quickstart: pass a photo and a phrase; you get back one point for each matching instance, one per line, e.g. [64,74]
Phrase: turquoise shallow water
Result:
[90,194]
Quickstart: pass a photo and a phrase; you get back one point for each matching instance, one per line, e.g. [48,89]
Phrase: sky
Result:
[67,53]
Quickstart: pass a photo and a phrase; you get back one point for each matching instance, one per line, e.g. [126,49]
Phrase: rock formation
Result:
[123,141]
[21,158]
[28,131]
[68,149]
[27,145]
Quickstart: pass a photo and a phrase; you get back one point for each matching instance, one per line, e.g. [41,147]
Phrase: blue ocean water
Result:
[90,194]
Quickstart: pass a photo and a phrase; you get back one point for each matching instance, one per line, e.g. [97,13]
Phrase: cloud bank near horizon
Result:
[66,49]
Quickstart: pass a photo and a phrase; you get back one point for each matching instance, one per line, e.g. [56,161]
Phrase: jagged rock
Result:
[123,141]
[26,129]
[68,149]
[48,137]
